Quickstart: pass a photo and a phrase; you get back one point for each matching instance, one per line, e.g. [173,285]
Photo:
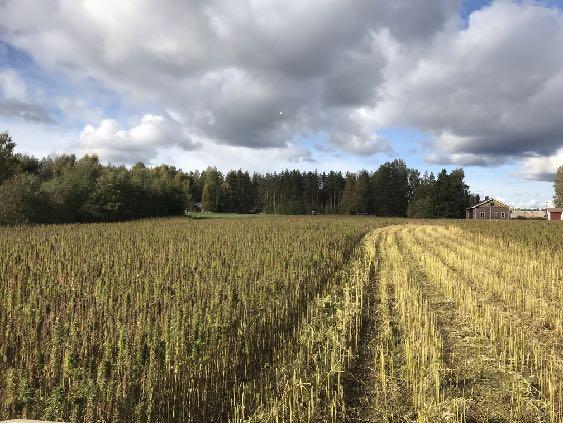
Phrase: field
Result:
[282,319]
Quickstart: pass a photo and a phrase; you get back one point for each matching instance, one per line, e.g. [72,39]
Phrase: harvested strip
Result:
[542,266]
[515,350]
[528,294]
[418,368]
[393,402]
[474,388]
[491,290]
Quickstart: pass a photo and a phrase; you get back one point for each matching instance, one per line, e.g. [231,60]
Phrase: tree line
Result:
[65,188]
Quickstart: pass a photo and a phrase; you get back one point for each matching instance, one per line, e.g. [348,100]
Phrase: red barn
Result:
[555,214]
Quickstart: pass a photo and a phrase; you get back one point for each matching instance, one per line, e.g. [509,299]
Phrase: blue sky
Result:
[440,84]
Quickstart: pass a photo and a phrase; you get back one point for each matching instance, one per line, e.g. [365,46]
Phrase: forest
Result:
[65,188]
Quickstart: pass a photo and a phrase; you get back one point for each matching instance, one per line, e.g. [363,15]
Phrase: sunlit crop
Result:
[477,326]
[282,319]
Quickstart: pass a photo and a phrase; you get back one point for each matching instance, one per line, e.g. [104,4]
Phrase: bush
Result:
[23,201]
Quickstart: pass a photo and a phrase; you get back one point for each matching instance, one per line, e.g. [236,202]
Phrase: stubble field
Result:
[282,319]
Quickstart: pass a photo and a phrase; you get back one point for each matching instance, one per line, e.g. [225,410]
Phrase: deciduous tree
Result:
[558,186]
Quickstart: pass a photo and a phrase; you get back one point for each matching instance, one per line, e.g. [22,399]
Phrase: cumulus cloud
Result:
[292,154]
[542,168]
[487,93]
[229,67]
[361,144]
[263,74]
[11,85]
[138,143]
[78,109]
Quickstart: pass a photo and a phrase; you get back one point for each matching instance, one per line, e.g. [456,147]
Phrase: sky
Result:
[266,85]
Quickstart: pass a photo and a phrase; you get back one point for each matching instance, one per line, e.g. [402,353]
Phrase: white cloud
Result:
[12,86]
[226,158]
[542,168]
[488,93]
[534,204]
[14,99]
[229,67]
[38,137]
[361,144]
[139,143]
[78,109]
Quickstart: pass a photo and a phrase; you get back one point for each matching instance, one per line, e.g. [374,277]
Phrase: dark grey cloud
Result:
[414,20]
[354,77]
[23,110]
[465,159]
[545,176]
[489,93]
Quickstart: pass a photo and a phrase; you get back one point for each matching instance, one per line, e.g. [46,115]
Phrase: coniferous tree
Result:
[450,195]
[391,189]
[238,191]
[364,193]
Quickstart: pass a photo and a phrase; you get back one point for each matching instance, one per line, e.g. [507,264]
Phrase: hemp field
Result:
[282,319]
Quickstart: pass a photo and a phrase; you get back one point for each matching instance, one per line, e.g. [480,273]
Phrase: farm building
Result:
[488,209]
[527,214]
[555,214]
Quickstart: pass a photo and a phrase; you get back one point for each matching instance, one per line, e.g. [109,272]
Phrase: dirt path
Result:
[359,381]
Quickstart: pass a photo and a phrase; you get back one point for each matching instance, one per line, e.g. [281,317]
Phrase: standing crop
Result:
[163,320]
[282,319]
